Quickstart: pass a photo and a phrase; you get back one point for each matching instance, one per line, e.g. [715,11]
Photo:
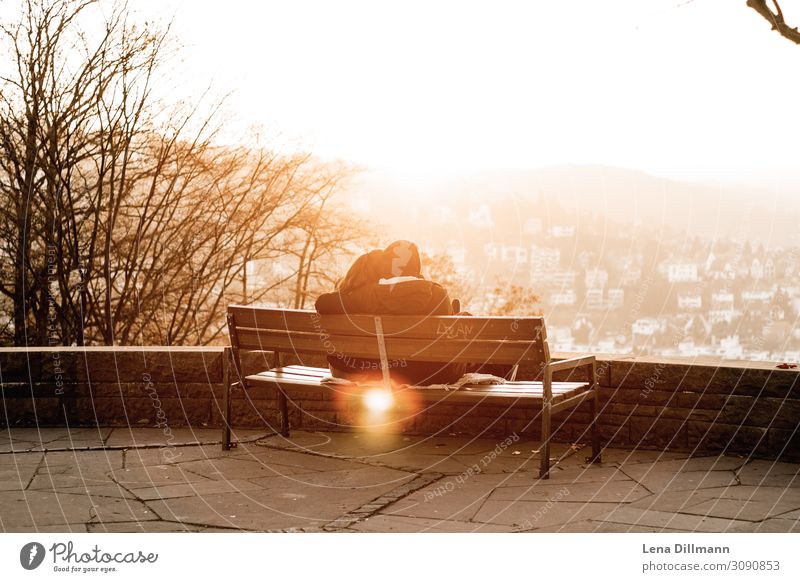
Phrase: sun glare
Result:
[378,400]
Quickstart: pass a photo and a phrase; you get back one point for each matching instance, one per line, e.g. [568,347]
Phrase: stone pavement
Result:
[127,480]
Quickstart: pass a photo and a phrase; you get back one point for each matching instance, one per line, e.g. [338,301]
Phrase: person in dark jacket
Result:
[390,282]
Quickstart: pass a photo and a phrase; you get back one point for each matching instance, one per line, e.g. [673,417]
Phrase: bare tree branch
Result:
[775,18]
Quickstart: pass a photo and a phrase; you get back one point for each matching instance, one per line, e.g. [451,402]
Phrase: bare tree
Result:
[513,300]
[440,268]
[203,214]
[123,221]
[328,238]
[58,76]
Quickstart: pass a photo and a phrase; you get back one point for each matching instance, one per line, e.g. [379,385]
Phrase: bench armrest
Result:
[571,363]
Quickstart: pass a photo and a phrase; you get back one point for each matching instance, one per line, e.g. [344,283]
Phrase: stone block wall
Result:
[740,408]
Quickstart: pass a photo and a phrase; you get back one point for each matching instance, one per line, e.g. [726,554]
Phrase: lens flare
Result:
[378,400]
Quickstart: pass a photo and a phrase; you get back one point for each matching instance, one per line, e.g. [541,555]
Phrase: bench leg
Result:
[226,404]
[544,450]
[594,405]
[283,407]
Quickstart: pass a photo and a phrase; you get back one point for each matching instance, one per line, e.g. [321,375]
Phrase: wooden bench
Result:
[495,340]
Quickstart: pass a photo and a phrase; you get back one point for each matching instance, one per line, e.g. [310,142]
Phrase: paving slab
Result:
[788,495]
[401,524]
[447,499]
[36,509]
[610,492]
[283,460]
[770,473]
[290,505]
[529,515]
[748,510]
[410,460]
[137,437]
[108,510]
[56,483]
[581,474]
[196,489]
[629,515]
[99,490]
[16,479]
[39,528]
[774,525]
[358,477]
[81,462]
[77,438]
[635,456]
[138,477]
[657,480]
[173,455]
[13,460]
[590,526]
[147,527]
[674,501]
[694,464]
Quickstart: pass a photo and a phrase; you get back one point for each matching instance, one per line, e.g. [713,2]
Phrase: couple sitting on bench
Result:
[385,288]
[390,282]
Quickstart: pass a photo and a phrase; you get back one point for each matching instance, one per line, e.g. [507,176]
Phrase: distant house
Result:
[562,279]
[630,272]
[533,226]
[560,338]
[730,348]
[562,231]
[722,308]
[605,299]
[482,217]
[758,297]
[616,298]
[679,272]
[594,299]
[568,298]
[506,253]
[514,254]
[544,262]
[722,300]
[769,268]
[757,269]
[492,250]
[690,301]
[596,278]
[647,326]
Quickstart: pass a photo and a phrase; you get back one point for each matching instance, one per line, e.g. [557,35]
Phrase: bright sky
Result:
[700,89]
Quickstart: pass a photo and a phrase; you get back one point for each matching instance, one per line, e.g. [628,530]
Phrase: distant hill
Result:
[574,193]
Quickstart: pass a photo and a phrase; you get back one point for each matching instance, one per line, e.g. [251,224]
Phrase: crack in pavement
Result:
[369,509]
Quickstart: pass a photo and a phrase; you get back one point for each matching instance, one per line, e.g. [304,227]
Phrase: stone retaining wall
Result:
[742,408]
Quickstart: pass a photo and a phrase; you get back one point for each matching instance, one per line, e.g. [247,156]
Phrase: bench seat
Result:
[308,377]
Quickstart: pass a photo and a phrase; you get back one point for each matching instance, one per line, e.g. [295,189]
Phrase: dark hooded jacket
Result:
[396,296]
[402,294]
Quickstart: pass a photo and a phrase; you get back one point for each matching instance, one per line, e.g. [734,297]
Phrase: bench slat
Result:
[439,350]
[304,371]
[451,327]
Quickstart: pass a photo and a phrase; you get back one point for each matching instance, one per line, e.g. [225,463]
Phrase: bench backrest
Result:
[496,340]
